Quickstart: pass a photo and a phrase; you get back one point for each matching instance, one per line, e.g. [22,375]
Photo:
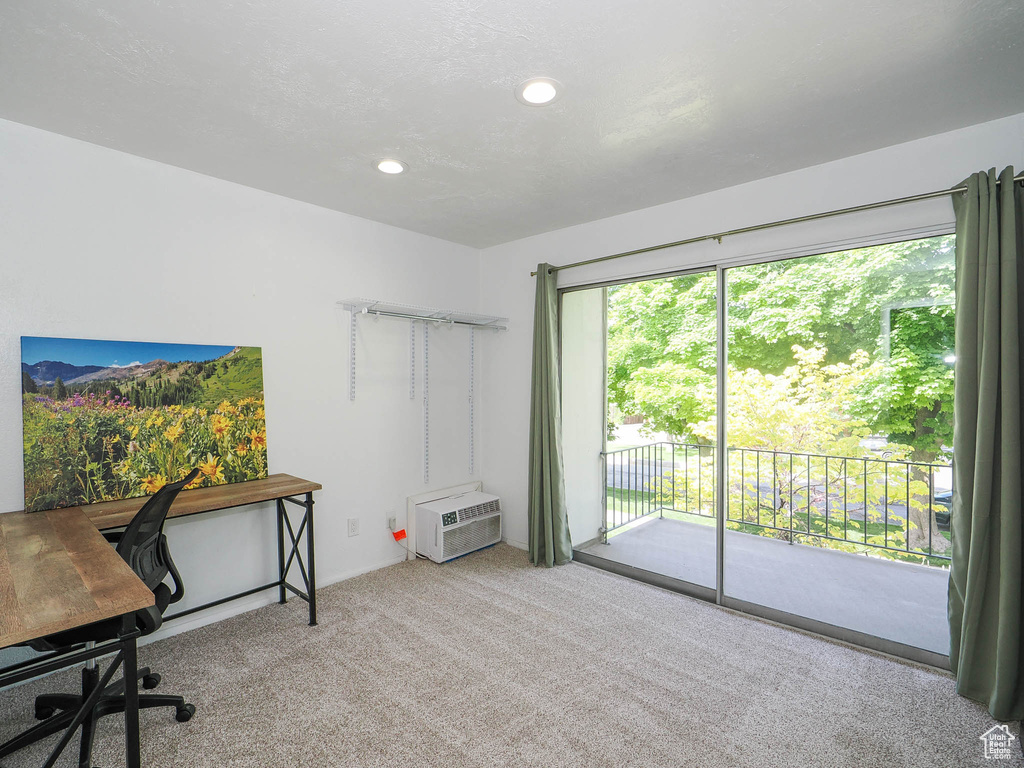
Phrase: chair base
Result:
[57,710]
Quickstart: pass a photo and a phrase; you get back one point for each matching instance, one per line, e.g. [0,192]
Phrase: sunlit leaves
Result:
[662,344]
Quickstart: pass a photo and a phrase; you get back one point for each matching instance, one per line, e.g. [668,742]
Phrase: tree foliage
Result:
[869,330]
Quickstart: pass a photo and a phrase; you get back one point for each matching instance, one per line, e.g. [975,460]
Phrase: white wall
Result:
[925,165]
[100,244]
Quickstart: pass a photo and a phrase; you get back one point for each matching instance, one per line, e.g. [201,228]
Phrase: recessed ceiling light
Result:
[391,166]
[538,91]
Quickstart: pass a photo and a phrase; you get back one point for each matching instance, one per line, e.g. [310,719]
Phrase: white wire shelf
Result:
[414,312]
[428,316]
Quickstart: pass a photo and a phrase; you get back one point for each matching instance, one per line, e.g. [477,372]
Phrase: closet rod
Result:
[770,225]
[426,319]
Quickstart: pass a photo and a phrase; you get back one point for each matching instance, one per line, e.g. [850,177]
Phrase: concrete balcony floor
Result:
[901,602]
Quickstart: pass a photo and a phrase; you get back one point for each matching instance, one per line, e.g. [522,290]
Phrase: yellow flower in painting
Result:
[220,425]
[259,439]
[241,449]
[202,413]
[150,420]
[260,414]
[134,431]
[153,483]
[212,469]
[115,440]
[173,432]
[152,447]
[247,401]
[158,421]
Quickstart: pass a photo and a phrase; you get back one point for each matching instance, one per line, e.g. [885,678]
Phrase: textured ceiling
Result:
[663,99]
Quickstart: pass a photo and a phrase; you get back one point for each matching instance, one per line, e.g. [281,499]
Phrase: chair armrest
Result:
[179,585]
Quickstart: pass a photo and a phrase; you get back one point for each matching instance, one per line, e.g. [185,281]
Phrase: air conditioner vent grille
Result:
[459,541]
[479,510]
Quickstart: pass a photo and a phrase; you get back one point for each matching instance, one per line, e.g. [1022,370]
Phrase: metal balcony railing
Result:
[880,503]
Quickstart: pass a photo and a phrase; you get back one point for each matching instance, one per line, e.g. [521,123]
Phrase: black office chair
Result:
[144,547]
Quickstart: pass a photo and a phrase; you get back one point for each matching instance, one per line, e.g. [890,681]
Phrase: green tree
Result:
[805,412]
[60,392]
[804,409]
[27,385]
[661,336]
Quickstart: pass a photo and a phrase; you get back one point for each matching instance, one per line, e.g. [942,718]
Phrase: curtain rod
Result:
[770,225]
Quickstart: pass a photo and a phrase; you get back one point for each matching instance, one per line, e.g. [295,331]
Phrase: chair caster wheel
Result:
[184,714]
[44,713]
[151,681]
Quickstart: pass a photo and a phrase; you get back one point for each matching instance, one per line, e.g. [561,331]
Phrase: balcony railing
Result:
[836,501]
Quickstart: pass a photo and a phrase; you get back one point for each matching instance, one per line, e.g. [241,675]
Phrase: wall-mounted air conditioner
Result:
[456,525]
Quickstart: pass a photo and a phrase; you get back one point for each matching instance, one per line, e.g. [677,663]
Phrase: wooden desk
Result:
[276,488]
[57,572]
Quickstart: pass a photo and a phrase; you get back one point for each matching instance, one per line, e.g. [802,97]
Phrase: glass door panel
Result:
[839,422]
[658,466]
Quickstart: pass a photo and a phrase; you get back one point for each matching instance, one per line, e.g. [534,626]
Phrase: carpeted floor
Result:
[488,661]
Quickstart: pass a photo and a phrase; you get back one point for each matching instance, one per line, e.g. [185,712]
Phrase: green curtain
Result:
[985,590]
[549,525]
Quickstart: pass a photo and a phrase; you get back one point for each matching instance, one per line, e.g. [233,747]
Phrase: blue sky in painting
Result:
[34,349]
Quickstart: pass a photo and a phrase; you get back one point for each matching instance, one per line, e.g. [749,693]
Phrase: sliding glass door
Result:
[831,509]
[839,422]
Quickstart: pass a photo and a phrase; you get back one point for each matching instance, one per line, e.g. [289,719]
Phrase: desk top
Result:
[57,572]
[114,514]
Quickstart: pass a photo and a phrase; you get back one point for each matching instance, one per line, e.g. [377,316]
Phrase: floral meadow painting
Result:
[108,420]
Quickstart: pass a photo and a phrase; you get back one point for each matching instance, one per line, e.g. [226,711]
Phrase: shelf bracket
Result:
[426,403]
[412,359]
[472,392]
[352,358]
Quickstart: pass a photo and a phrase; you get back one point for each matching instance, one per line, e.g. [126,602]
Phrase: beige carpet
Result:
[488,661]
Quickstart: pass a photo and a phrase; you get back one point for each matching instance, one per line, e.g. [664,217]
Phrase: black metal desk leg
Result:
[133,757]
[280,551]
[311,557]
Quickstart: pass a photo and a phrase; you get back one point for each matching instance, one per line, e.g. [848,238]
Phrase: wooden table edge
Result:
[118,513]
[132,594]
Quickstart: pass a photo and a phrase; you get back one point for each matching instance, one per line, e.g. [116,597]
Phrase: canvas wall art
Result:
[110,420]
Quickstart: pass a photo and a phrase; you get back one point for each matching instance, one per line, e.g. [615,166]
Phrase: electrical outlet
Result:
[392,523]
[353,526]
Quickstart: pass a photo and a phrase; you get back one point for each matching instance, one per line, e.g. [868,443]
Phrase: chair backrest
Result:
[140,544]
